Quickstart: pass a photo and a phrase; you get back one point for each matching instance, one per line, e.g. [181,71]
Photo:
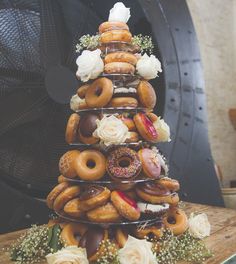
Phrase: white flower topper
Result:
[119,13]
[199,226]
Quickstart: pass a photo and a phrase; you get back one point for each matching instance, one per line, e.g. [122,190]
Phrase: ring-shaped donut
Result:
[70,232]
[90,165]
[111,25]
[73,208]
[72,128]
[116,35]
[121,56]
[99,93]
[176,220]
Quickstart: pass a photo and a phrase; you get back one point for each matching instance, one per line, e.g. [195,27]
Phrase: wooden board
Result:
[222,241]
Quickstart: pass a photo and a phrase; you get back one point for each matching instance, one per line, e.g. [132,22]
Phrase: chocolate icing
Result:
[91,240]
[87,124]
[154,188]
[91,192]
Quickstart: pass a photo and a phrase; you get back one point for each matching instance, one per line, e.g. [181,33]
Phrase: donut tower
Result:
[114,182]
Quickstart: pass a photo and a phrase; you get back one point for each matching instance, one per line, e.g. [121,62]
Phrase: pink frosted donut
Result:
[150,163]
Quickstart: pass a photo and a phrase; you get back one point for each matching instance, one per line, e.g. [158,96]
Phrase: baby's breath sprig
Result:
[144,43]
[108,253]
[170,249]
[88,42]
[35,244]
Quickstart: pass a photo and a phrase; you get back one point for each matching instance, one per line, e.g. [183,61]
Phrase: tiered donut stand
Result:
[115,186]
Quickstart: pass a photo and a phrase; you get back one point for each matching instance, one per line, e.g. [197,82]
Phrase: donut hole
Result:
[98,91]
[91,164]
[124,162]
[171,220]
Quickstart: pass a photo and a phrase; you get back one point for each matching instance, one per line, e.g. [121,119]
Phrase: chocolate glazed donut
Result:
[86,128]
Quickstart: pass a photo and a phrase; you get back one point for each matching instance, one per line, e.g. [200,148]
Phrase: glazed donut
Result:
[71,128]
[61,179]
[146,94]
[121,237]
[111,25]
[170,184]
[65,196]
[145,127]
[87,126]
[91,241]
[119,67]
[124,102]
[67,163]
[121,56]
[90,165]
[123,163]
[147,232]
[70,233]
[81,92]
[55,192]
[176,220]
[152,117]
[155,193]
[150,163]
[93,197]
[104,214]
[126,206]
[73,208]
[99,93]
[115,35]
[128,122]
[133,137]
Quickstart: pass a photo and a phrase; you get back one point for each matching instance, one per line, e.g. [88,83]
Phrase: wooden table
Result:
[222,241]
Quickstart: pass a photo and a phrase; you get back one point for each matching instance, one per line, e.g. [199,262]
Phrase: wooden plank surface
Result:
[222,241]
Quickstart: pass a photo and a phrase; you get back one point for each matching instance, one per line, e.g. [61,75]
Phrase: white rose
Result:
[136,251]
[75,102]
[119,13]
[90,65]
[199,225]
[148,67]
[68,255]
[163,130]
[111,130]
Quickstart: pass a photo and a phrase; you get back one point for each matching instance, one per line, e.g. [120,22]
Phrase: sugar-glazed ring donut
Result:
[71,232]
[72,128]
[126,206]
[150,163]
[119,67]
[99,93]
[90,165]
[142,233]
[93,197]
[121,236]
[116,35]
[65,196]
[176,220]
[55,192]
[146,94]
[123,163]
[81,92]
[72,208]
[156,194]
[145,127]
[111,25]
[124,102]
[91,241]
[104,214]
[67,163]
[121,56]
[170,184]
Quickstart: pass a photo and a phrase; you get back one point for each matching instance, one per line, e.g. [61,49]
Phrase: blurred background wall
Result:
[215,21]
